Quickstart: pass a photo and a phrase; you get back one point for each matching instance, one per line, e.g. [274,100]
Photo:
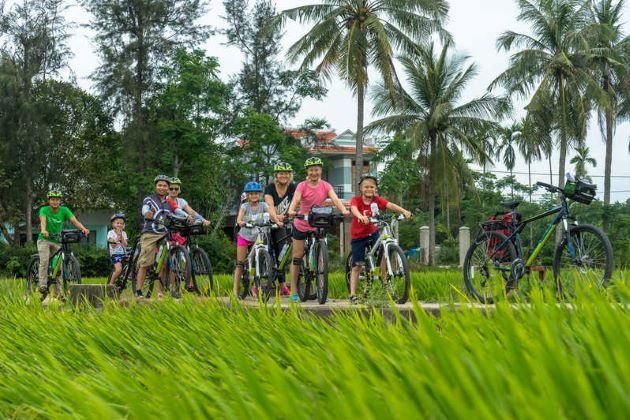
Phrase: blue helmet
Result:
[253,186]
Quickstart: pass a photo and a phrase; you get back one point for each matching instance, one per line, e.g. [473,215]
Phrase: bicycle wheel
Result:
[243,287]
[201,272]
[488,266]
[265,277]
[591,264]
[178,270]
[32,275]
[321,270]
[397,281]
[71,272]
[304,282]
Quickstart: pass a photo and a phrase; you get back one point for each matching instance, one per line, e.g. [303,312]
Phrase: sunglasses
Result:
[174,188]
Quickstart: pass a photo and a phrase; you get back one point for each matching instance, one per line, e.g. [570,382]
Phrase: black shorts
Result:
[359,245]
[298,235]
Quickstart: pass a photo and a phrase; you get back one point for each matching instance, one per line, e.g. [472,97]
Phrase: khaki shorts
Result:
[148,242]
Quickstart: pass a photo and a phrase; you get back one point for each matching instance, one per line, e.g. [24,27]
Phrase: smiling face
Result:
[118,224]
[283,178]
[174,190]
[368,188]
[253,197]
[314,173]
[161,188]
[54,202]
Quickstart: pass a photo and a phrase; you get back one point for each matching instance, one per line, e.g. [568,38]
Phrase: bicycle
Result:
[63,262]
[495,263]
[201,280]
[314,264]
[394,268]
[178,264]
[259,261]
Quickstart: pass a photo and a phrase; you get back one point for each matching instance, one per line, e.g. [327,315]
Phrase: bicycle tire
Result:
[595,254]
[264,279]
[494,264]
[397,285]
[71,273]
[32,275]
[201,272]
[179,264]
[321,270]
[303,282]
[364,282]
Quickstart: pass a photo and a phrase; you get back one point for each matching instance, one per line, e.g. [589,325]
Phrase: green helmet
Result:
[54,194]
[282,167]
[313,161]
[176,181]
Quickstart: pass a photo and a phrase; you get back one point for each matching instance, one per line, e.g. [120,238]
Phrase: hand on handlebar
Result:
[364,219]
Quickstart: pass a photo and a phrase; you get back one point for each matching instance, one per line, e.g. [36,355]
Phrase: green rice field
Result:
[197,358]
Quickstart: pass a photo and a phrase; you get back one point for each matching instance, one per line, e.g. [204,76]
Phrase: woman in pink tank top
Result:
[312,192]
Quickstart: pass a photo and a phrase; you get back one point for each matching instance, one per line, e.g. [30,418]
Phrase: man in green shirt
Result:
[52,218]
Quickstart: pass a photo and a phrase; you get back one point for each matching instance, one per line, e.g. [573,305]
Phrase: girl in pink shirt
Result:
[312,192]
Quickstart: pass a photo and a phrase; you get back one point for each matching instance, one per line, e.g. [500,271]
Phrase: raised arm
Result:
[394,207]
[78,224]
[337,202]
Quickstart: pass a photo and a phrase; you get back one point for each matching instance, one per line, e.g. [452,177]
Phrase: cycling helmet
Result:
[118,216]
[252,186]
[55,194]
[372,177]
[313,161]
[282,167]
[164,178]
[175,180]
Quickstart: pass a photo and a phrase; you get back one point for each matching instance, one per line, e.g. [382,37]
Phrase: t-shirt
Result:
[117,248]
[358,229]
[281,204]
[311,196]
[160,210]
[181,203]
[252,214]
[54,221]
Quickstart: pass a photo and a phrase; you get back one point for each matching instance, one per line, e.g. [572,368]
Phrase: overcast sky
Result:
[475,26]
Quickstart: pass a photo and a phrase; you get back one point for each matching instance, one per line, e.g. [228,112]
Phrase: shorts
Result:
[116,258]
[298,235]
[240,241]
[148,242]
[359,245]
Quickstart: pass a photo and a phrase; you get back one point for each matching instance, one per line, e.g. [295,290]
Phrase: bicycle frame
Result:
[261,243]
[562,211]
[384,240]
[61,253]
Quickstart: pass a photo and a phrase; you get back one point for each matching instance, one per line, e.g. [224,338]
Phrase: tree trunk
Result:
[358,170]
[431,198]
[29,213]
[563,151]
[608,159]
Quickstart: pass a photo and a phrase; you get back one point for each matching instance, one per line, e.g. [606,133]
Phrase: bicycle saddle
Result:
[510,204]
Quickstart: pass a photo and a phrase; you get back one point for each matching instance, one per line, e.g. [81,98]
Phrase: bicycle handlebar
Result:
[549,187]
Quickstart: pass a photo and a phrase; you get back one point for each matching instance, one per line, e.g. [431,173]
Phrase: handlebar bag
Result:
[320,216]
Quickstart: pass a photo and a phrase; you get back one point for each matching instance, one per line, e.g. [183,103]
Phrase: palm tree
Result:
[432,119]
[581,159]
[609,56]
[531,145]
[506,147]
[348,36]
[549,67]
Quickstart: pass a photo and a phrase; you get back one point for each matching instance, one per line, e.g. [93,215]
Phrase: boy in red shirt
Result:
[362,232]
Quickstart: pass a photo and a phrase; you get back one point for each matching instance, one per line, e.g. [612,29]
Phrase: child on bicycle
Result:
[313,191]
[251,210]
[362,232]
[117,239]
[51,219]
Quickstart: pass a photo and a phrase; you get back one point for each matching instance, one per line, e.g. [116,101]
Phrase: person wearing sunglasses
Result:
[174,190]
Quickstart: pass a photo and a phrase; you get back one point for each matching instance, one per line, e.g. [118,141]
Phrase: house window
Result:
[339,190]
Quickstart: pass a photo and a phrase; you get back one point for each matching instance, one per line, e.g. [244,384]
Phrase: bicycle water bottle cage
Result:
[321,217]
[580,191]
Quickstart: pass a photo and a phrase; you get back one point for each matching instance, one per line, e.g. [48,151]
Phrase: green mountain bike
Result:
[495,261]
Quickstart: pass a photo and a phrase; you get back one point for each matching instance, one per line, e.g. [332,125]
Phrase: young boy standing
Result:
[117,239]
[362,232]
[51,219]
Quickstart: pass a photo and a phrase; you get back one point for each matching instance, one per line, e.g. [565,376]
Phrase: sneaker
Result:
[293,297]
[139,294]
[353,300]
[191,288]
[254,292]
[43,290]
[285,291]
[175,294]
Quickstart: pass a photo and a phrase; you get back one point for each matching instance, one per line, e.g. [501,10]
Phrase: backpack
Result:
[502,223]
